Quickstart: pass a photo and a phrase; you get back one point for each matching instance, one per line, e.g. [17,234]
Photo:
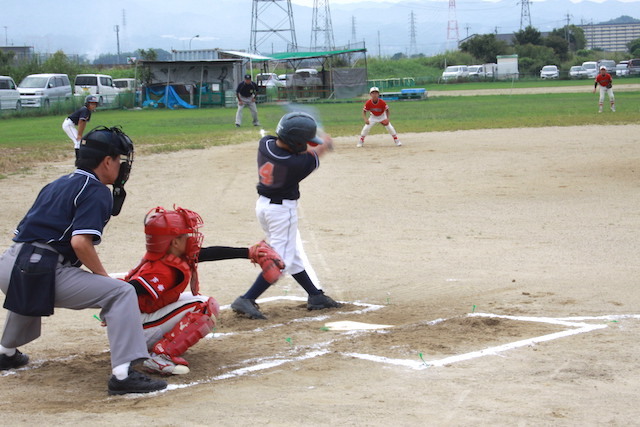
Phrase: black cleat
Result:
[12,362]
[321,301]
[248,307]
[136,382]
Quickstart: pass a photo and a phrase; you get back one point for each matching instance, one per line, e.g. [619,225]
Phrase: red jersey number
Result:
[266,174]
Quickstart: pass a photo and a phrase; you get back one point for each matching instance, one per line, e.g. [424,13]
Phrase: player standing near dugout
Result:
[41,270]
[378,113]
[283,161]
[246,93]
[175,320]
[605,81]
[75,124]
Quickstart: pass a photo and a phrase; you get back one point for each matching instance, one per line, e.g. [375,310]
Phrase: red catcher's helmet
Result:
[162,226]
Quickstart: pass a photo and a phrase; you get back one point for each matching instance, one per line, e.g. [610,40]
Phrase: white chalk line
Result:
[576,325]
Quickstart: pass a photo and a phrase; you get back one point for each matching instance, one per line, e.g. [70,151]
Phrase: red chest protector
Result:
[163,280]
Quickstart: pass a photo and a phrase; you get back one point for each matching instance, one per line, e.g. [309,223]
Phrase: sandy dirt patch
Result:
[537,226]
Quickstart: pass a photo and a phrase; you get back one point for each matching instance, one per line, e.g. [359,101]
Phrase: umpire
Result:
[41,270]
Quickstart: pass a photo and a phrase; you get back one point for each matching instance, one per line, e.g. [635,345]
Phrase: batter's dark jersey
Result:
[247,89]
[77,203]
[280,172]
[81,114]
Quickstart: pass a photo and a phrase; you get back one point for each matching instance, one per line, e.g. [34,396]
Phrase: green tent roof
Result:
[285,56]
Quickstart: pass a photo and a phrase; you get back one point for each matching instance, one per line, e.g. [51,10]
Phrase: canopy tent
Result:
[338,82]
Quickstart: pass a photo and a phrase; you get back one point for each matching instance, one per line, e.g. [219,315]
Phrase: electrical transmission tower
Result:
[353,29]
[452,26]
[272,18]
[321,26]
[525,14]
[413,45]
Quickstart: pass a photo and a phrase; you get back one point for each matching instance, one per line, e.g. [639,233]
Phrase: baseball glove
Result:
[609,86]
[385,122]
[270,262]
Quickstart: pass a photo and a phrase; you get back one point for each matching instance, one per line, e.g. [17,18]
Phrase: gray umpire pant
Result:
[77,289]
[251,105]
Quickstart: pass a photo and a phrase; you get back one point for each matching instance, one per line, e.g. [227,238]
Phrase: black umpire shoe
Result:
[12,362]
[321,301]
[248,307]
[136,382]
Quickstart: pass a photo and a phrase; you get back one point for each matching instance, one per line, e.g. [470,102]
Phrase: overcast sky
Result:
[91,28]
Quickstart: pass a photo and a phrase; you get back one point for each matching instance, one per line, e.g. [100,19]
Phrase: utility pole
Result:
[116,28]
[6,37]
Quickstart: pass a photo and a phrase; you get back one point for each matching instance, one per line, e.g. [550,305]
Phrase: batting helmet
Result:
[297,130]
[162,226]
[89,99]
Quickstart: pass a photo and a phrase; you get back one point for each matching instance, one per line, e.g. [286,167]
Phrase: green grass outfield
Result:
[27,140]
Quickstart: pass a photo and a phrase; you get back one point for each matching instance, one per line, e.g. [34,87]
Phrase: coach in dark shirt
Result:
[246,94]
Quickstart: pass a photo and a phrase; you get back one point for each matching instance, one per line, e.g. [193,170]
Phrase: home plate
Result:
[347,325]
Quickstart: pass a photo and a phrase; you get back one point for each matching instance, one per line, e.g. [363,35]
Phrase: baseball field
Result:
[493,274]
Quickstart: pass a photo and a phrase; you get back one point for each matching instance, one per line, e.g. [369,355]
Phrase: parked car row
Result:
[590,69]
[301,77]
[42,90]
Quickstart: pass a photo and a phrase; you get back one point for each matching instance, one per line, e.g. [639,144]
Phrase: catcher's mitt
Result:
[270,262]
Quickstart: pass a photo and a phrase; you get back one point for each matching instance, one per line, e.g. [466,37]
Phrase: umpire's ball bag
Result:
[32,286]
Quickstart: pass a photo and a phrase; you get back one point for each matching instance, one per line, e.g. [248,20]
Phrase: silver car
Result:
[41,90]
[549,72]
[622,70]
[578,72]
[9,95]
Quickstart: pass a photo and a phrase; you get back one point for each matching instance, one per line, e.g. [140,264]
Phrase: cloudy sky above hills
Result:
[384,25]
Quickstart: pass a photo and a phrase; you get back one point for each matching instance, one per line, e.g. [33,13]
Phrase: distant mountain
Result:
[624,19]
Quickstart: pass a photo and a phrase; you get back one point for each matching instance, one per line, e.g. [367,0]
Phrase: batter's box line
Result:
[577,328]
[366,308]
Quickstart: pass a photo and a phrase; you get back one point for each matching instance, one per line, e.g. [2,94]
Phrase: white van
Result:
[125,85]
[455,72]
[9,95]
[591,67]
[40,90]
[99,85]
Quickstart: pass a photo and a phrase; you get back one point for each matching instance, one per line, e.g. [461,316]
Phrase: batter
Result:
[283,161]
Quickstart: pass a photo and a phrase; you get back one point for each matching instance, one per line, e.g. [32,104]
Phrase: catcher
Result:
[174,320]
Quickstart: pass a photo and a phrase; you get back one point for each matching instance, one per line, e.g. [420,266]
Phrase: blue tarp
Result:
[168,96]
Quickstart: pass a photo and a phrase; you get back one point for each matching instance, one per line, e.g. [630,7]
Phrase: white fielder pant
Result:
[251,105]
[373,119]
[70,129]
[608,91]
[280,224]
[160,322]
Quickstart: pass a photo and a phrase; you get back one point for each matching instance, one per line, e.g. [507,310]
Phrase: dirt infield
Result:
[506,262]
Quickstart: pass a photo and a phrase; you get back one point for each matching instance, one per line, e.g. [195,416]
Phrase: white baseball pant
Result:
[373,119]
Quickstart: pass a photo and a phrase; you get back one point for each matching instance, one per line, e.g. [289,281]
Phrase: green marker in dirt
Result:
[425,363]
[473,309]
[289,341]
[96,316]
